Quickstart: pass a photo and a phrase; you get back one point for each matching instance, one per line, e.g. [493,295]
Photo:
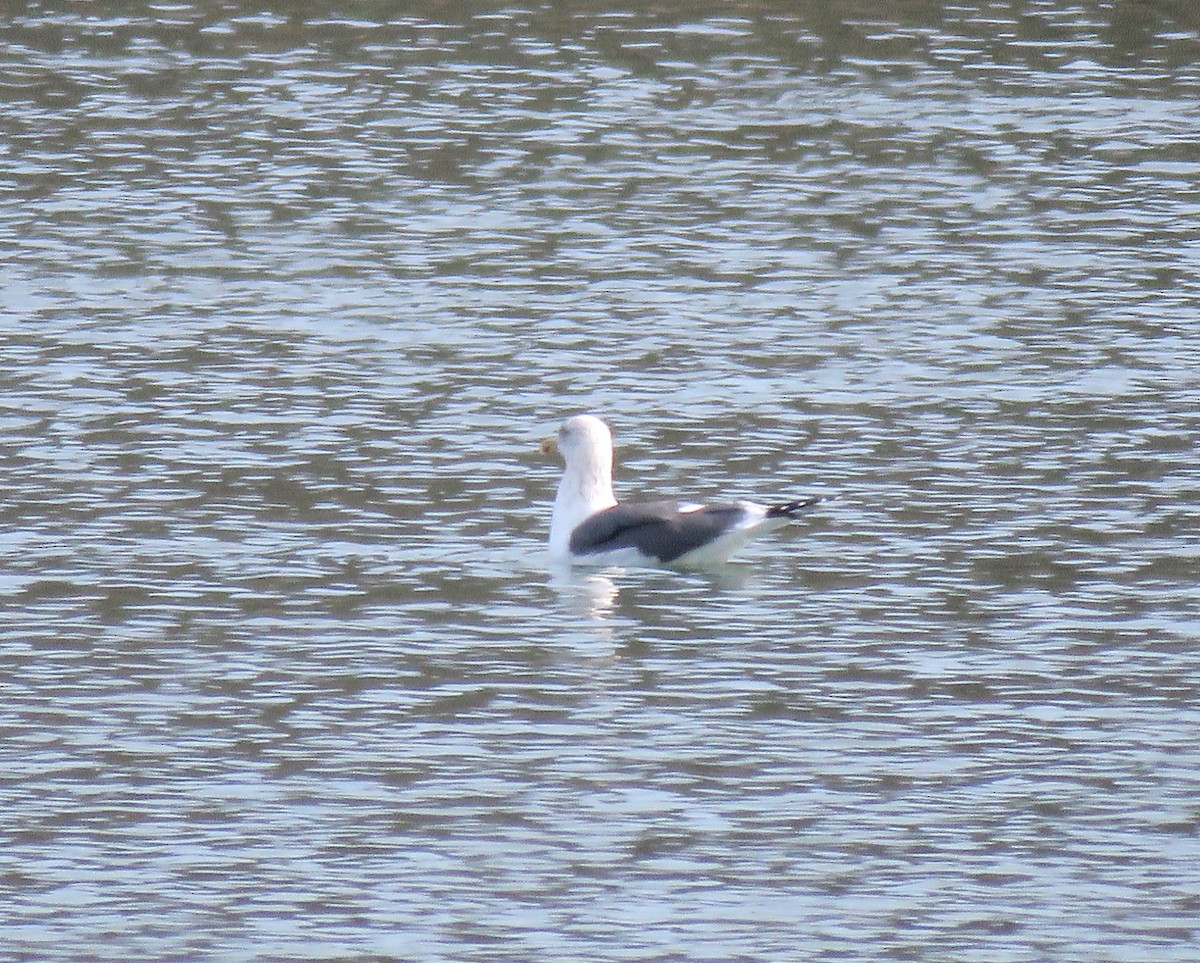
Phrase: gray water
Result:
[289,301]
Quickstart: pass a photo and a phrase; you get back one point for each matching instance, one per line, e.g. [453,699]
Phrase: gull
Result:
[589,527]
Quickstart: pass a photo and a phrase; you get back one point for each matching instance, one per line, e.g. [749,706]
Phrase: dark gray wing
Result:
[656,529]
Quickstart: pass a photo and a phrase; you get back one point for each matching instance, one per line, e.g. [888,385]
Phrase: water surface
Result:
[288,302]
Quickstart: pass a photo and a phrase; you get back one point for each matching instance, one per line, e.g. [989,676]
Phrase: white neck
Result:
[584,490]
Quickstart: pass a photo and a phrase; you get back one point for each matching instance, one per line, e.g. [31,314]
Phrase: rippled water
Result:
[288,301]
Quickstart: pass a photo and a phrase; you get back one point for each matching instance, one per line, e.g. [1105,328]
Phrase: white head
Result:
[586,444]
[586,487]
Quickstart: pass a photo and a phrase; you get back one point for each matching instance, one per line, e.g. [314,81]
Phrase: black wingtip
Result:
[794,509]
